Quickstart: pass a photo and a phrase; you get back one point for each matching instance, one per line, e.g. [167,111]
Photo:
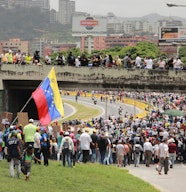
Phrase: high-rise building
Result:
[66,11]
[43,4]
[46,4]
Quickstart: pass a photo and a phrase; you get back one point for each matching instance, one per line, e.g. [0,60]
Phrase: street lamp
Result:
[106,100]
[174,5]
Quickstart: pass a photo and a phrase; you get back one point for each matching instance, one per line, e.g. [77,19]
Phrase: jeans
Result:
[93,157]
[125,160]
[66,153]
[37,153]
[45,152]
[102,154]
[15,162]
[106,159]
[1,155]
[172,158]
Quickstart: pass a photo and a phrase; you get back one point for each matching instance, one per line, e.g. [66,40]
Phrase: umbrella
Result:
[174,112]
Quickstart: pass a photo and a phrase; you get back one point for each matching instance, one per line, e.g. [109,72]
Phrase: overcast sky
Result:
[128,8]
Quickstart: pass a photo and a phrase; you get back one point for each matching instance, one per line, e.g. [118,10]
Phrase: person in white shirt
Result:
[48,59]
[161,64]
[177,63]
[165,134]
[137,153]
[67,149]
[148,63]
[163,156]
[138,61]
[77,61]
[148,150]
[156,153]
[37,146]
[120,153]
[85,141]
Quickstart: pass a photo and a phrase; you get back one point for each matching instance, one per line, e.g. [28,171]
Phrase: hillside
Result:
[21,22]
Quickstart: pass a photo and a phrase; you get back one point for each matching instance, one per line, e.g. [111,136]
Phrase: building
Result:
[66,11]
[54,47]
[15,45]
[102,43]
[53,16]
[10,4]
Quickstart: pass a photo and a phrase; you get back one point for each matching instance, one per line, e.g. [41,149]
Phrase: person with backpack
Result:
[137,149]
[54,149]
[67,149]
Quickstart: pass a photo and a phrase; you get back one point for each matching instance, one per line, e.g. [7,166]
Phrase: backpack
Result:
[137,149]
[53,149]
[66,144]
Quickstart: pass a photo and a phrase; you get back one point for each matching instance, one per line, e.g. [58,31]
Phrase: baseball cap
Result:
[66,133]
[31,121]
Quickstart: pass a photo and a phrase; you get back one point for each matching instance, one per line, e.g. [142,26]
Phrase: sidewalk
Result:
[173,182]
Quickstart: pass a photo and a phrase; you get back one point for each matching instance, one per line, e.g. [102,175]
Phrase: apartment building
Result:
[66,11]
[9,4]
[15,45]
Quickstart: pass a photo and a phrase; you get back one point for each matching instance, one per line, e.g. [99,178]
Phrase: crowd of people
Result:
[158,138]
[96,60]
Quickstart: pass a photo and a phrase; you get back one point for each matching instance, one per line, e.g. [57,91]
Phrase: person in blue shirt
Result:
[45,148]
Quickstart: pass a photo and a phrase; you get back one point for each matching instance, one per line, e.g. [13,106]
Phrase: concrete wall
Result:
[98,78]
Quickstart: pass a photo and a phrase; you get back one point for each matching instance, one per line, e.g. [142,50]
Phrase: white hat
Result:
[66,133]
[171,140]
[31,121]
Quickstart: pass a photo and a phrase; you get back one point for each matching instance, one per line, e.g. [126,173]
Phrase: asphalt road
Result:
[173,182]
[106,108]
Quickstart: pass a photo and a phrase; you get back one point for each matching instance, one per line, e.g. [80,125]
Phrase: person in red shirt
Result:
[172,152]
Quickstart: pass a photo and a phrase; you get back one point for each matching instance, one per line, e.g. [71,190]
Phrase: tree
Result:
[182,54]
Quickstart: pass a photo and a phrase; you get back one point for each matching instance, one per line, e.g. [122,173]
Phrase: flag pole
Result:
[22,110]
[25,105]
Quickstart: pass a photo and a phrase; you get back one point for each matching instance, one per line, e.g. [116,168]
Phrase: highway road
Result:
[106,108]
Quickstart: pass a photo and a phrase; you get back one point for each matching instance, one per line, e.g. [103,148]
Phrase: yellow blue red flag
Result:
[48,100]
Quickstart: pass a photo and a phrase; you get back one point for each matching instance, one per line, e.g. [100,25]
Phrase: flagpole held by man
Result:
[48,100]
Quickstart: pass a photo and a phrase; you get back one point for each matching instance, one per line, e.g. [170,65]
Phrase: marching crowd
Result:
[158,139]
[96,60]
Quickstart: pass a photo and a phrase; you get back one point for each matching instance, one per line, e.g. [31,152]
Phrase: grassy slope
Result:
[82,178]
[83,112]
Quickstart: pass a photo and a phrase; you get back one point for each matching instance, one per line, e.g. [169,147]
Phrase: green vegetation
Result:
[182,54]
[143,49]
[82,178]
[83,112]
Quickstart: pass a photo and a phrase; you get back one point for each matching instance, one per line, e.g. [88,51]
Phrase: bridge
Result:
[18,82]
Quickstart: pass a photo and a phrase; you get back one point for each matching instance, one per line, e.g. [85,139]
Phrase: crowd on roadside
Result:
[96,60]
[157,138]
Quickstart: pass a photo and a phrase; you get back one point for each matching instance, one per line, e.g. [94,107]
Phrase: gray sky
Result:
[128,8]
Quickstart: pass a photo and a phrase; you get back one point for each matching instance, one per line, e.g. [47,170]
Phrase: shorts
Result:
[120,157]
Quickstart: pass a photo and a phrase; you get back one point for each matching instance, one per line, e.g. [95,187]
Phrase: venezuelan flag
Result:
[48,100]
